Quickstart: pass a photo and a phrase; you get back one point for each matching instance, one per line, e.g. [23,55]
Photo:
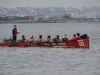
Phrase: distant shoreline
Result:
[48,21]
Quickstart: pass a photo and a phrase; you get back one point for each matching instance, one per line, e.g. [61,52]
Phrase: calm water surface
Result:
[50,61]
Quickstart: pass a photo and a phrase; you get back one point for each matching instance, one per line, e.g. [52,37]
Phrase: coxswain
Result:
[14,33]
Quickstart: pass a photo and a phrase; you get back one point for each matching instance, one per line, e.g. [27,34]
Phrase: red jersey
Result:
[14,31]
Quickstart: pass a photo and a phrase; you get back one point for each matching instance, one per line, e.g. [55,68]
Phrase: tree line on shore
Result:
[12,18]
[49,19]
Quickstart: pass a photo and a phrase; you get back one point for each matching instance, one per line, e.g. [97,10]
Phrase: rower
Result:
[76,37]
[23,39]
[64,39]
[30,39]
[73,38]
[47,39]
[56,39]
[39,39]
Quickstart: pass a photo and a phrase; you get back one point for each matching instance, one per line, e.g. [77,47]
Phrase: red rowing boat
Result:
[79,43]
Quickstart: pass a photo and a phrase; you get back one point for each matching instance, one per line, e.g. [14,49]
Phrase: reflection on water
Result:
[50,61]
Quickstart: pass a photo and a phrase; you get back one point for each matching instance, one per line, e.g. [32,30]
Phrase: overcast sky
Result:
[49,3]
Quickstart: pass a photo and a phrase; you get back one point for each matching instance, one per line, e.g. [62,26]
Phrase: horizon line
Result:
[51,6]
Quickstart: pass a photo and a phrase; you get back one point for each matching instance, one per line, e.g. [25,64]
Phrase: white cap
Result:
[30,36]
[64,35]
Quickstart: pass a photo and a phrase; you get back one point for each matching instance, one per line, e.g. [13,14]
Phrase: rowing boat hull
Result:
[79,43]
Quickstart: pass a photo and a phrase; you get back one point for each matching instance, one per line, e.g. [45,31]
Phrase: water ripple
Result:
[51,61]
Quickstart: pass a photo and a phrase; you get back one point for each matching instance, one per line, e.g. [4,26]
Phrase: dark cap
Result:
[40,36]
[78,34]
[49,36]
[23,36]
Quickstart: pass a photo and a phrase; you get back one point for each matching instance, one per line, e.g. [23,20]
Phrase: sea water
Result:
[50,61]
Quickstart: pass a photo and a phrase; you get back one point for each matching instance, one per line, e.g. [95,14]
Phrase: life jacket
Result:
[22,40]
[56,40]
[64,39]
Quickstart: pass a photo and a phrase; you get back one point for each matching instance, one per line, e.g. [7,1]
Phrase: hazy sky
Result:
[49,3]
